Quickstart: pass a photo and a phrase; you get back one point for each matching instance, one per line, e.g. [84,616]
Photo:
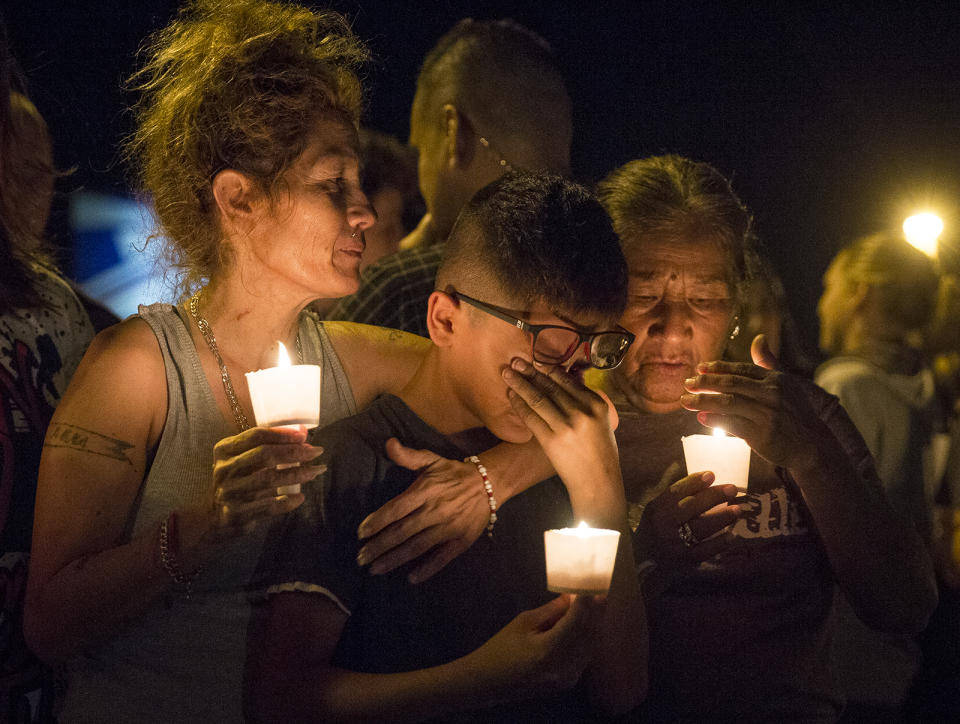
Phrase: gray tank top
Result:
[182,660]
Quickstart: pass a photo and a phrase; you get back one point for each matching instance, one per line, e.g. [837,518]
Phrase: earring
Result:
[736,328]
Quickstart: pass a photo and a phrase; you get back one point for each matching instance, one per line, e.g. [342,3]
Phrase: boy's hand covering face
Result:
[571,422]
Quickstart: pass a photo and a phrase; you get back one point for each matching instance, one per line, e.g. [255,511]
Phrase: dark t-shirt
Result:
[743,636]
[394,626]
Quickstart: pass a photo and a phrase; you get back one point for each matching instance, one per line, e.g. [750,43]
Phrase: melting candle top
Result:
[283,359]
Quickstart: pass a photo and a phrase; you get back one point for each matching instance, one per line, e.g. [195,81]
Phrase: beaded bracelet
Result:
[169,555]
[488,488]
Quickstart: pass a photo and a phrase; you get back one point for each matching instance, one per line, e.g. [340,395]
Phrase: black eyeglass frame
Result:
[535,329]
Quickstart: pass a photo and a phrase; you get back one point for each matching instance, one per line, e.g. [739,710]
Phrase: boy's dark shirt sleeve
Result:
[314,548]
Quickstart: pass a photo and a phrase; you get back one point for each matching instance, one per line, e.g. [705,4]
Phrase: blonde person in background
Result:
[879,295]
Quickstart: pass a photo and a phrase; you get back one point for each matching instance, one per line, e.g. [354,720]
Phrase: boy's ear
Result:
[458,137]
[443,318]
[237,198]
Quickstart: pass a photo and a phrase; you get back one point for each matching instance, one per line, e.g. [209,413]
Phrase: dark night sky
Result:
[833,119]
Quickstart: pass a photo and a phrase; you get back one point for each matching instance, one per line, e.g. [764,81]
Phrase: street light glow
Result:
[923,230]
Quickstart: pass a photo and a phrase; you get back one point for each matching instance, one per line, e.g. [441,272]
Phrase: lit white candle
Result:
[285,395]
[727,457]
[580,560]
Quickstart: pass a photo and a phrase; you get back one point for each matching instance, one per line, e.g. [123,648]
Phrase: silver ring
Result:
[686,535]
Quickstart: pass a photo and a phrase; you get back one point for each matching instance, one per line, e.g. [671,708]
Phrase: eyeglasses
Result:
[554,345]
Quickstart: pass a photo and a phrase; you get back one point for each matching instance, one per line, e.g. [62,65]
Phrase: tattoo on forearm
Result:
[72,437]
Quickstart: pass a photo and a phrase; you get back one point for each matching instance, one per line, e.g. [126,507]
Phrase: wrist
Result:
[516,467]
[825,453]
[172,562]
[488,492]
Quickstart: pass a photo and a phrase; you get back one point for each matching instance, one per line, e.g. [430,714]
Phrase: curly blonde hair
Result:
[235,84]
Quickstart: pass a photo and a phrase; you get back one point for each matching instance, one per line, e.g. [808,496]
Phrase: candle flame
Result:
[283,359]
[719,432]
[583,525]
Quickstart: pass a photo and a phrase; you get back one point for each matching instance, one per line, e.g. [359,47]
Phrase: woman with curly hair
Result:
[247,143]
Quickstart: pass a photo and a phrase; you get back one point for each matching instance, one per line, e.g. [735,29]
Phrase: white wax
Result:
[727,457]
[580,560]
[286,395]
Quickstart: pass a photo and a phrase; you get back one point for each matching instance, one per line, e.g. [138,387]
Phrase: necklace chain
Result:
[207,333]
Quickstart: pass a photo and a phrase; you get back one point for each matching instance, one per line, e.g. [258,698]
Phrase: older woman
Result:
[247,141]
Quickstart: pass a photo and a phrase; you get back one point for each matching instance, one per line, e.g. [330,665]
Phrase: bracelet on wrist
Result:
[488,489]
[170,554]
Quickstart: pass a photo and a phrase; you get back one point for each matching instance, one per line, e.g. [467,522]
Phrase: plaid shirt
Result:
[394,291]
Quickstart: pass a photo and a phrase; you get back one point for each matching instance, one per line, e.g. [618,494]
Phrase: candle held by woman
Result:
[286,396]
[727,457]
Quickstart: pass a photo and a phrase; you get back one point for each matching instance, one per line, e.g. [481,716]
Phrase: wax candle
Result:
[580,560]
[727,457]
[285,395]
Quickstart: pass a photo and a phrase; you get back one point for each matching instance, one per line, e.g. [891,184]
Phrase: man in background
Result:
[490,98]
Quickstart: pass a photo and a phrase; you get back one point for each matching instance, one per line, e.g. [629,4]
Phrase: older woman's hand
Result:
[769,409]
[249,472]
[693,502]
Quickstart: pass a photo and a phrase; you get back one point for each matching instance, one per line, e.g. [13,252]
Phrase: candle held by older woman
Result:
[727,457]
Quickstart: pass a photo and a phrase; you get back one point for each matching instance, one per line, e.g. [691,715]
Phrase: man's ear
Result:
[459,138]
[444,318]
[237,198]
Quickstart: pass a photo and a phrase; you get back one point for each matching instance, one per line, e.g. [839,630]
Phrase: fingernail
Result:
[708,477]
[362,529]
[690,382]
[520,365]
[362,557]
[687,399]
[376,568]
[413,578]
[508,374]
[703,367]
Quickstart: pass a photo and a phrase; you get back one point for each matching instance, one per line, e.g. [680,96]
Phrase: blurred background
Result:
[833,119]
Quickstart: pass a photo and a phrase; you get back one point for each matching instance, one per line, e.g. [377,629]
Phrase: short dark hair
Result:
[677,198]
[537,236]
[507,80]
[906,279]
